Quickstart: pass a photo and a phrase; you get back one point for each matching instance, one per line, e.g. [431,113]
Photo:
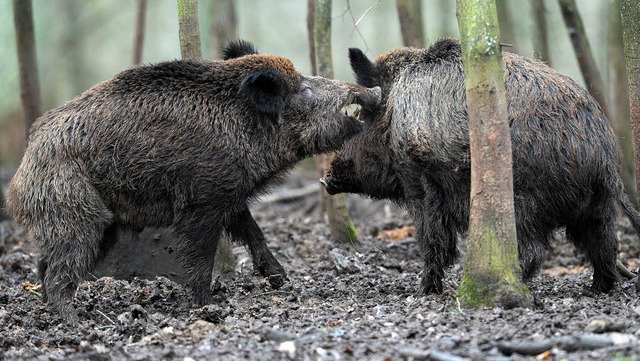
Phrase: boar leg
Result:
[69,233]
[532,238]
[436,235]
[244,228]
[598,240]
[198,234]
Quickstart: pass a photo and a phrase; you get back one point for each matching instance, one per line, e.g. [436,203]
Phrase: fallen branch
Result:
[567,343]
[288,195]
[416,354]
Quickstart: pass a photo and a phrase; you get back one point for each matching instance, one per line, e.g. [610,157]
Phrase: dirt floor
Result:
[342,302]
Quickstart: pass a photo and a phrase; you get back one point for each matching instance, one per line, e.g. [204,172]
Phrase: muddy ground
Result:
[342,302]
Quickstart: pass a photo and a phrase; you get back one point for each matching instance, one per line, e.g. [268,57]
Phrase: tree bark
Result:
[630,15]
[224,25]
[27,63]
[586,61]
[492,274]
[411,24]
[539,34]
[189,30]
[342,229]
[138,40]
[619,99]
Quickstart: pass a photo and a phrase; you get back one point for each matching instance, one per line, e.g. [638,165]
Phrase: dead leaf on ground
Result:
[397,234]
[563,271]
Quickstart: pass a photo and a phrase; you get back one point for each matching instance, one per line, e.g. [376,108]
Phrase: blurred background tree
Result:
[81,43]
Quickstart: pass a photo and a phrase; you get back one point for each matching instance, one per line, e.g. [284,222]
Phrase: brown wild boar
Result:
[182,144]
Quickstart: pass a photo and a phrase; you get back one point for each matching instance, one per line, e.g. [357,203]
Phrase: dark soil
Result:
[342,301]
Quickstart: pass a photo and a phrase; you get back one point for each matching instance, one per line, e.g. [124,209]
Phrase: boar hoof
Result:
[430,285]
[277,280]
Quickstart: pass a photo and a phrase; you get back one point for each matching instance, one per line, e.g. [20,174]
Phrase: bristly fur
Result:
[442,50]
[185,144]
[238,48]
[414,149]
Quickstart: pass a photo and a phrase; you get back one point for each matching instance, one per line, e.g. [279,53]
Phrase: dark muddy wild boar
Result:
[414,150]
[181,144]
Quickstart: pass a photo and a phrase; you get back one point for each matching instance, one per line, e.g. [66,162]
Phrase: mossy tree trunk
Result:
[342,229]
[411,23]
[492,274]
[224,25]
[630,14]
[138,39]
[539,34]
[619,99]
[189,34]
[586,61]
[27,63]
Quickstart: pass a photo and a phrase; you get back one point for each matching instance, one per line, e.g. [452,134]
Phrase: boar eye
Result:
[306,90]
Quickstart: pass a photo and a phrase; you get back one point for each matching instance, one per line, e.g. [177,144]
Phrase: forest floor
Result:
[342,302]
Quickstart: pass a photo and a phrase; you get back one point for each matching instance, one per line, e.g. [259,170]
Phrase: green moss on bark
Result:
[492,272]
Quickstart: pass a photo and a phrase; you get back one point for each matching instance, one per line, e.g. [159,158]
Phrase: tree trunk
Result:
[28,64]
[539,34]
[311,19]
[492,274]
[619,97]
[505,22]
[444,8]
[189,30]
[138,40]
[411,24]
[72,47]
[630,14]
[189,33]
[342,229]
[586,61]
[3,212]
[224,25]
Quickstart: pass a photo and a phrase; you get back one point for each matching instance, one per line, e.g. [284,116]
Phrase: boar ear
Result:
[238,48]
[366,72]
[266,90]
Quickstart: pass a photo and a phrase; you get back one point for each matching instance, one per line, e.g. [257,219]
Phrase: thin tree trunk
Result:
[28,64]
[446,28]
[539,32]
[189,30]
[189,34]
[630,14]
[342,229]
[138,40]
[224,25]
[3,212]
[619,97]
[586,61]
[311,18]
[411,24]
[507,30]
[72,46]
[492,271]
